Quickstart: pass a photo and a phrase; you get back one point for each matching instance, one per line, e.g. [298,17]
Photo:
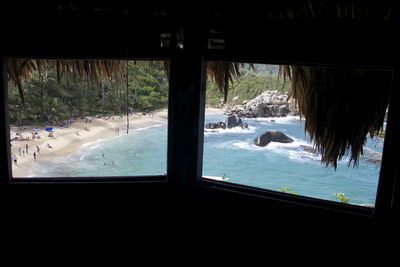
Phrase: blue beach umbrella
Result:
[48,128]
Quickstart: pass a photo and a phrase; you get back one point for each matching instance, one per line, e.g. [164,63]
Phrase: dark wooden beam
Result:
[387,201]
[186,114]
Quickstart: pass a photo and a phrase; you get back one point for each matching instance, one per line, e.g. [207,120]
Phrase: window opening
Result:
[71,118]
[258,139]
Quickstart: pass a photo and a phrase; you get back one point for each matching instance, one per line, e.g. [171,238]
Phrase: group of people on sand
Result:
[22,153]
[25,149]
[19,137]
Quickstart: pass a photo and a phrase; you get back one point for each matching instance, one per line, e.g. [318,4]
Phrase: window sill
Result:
[286,198]
[90,180]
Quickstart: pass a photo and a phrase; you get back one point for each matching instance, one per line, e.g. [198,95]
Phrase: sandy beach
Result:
[69,139]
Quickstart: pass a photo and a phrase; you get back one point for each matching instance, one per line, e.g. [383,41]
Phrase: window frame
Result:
[386,199]
[386,196]
[83,179]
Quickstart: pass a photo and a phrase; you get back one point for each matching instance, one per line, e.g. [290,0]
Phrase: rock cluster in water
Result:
[230,122]
[268,104]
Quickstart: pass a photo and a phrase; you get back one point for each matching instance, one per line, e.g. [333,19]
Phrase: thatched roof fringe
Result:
[223,74]
[20,70]
[341,107]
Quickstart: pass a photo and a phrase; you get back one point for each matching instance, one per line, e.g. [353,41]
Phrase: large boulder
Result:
[271,136]
[231,121]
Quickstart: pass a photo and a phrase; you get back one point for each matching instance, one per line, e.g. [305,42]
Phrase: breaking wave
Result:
[235,130]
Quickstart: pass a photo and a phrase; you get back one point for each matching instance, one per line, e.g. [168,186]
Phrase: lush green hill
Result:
[251,84]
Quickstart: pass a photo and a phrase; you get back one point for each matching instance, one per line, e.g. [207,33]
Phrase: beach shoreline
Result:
[70,139]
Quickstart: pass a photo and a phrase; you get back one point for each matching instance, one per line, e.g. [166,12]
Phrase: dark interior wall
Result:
[182,199]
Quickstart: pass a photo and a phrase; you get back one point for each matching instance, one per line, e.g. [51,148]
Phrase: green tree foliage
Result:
[148,86]
[342,197]
[48,98]
[287,190]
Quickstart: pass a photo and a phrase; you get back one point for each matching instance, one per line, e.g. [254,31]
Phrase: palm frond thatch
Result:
[20,70]
[223,74]
[341,107]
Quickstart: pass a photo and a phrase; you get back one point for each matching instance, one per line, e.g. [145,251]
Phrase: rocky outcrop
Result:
[271,136]
[215,125]
[268,104]
[230,122]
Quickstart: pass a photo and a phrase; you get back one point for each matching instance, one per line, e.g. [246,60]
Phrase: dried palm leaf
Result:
[223,74]
[341,107]
[20,70]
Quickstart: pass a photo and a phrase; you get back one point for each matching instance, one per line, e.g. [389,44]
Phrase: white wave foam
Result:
[294,151]
[295,144]
[83,156]
[244,145]
[301,156]
[278,120]
[147,127]
[251,129]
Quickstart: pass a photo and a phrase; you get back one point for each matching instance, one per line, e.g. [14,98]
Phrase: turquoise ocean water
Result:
[230,152]
[141,152]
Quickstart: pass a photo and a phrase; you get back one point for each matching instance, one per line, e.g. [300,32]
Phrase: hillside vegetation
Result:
[251,84]
[48,98]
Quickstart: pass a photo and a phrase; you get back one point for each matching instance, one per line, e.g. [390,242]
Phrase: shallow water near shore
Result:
[231,153]
[141,152]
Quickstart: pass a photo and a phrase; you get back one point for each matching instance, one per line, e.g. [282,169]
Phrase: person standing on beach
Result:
[37,149]
[27,149]
[34,156]
[14,158]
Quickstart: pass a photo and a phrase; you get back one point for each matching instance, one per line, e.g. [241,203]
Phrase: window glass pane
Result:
[257,103]
[74,121]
